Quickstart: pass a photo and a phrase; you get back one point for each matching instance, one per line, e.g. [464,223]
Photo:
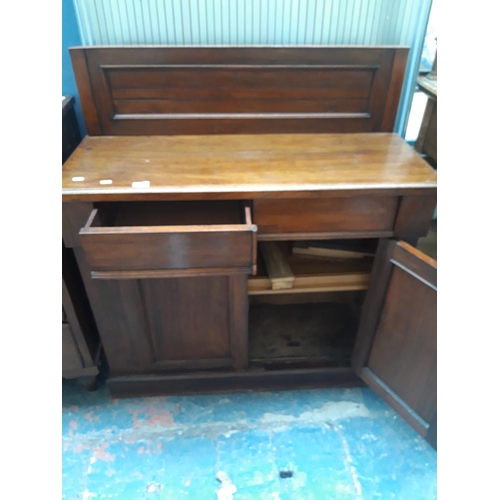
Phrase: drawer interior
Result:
[175,213]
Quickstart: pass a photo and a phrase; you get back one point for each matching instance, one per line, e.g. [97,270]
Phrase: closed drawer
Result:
[361,216]
[154,239]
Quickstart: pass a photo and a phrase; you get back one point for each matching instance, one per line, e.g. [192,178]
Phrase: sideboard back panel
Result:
[228,90]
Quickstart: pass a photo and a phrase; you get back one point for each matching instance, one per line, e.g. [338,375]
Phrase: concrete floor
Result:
[337,444]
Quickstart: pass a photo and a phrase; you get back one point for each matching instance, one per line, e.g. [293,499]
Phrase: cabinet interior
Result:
[313,321]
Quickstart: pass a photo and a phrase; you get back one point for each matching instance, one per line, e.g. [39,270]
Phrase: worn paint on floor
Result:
[342,444]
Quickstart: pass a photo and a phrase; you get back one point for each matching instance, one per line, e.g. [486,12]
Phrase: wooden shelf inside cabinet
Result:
[315,275]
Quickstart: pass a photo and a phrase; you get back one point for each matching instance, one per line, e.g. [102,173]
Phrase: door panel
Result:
[119,314]
[395,351]
[170,324]
[405,345]
[188,317]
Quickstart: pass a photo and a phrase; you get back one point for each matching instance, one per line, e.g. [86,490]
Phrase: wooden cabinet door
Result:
[160,325]
[395,351]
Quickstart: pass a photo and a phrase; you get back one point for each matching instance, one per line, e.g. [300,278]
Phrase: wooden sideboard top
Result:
[243,166]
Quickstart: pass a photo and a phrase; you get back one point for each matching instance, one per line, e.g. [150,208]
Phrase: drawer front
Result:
[139,250]
[173,250]
[357,215]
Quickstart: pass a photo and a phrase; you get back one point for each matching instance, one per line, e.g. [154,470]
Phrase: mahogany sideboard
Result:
[196,162]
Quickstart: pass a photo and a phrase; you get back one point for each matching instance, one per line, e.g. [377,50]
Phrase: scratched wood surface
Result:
[243,166]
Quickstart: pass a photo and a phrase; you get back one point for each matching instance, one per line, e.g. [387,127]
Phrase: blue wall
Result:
[70,38]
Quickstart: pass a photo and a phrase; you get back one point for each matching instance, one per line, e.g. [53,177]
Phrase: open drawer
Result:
[161,239]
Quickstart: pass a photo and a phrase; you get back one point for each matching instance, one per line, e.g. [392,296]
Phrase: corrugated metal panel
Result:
[261,22]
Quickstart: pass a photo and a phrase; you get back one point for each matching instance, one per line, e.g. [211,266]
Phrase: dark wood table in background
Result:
[427,138]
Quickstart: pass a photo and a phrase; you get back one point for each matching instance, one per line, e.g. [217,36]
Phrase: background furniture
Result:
[167,230]
[71,136]
[427,138]
[80,344]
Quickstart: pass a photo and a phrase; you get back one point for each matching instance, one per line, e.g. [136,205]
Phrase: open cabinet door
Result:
[395,351]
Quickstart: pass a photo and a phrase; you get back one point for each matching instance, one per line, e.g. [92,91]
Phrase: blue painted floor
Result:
[342,444]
